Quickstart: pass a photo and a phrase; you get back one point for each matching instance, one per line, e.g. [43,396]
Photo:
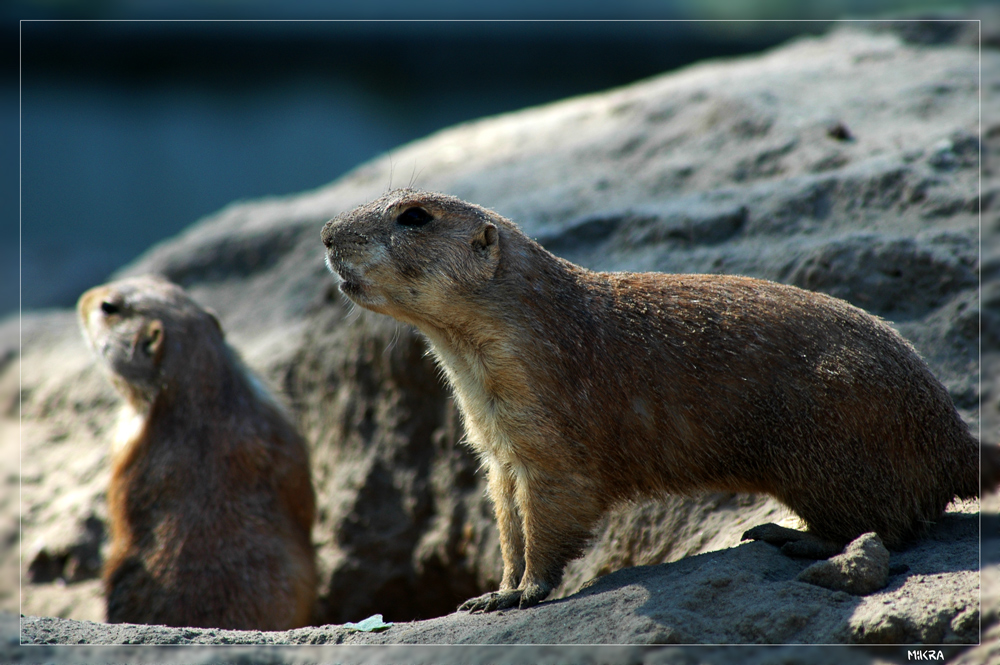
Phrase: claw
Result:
[490,602]
[794,543]
[532,595]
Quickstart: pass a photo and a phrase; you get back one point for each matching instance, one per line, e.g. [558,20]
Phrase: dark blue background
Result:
[132,130]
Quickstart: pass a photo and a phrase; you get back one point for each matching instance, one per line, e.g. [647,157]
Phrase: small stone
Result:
[862,569]
[839,131]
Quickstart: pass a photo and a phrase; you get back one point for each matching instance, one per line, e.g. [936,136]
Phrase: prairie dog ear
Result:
[151,339]
[487,241]
[215,319]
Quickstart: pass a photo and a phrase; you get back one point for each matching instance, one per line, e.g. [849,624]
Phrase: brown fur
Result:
[580,390]
[210,502]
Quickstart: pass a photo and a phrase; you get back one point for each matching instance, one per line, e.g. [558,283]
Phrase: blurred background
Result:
[130,127]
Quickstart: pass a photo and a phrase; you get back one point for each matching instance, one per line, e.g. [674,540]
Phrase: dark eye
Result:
[109,307]
[414,217]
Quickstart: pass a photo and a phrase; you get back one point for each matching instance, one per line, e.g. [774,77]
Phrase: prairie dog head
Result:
[413,255]
[145,330]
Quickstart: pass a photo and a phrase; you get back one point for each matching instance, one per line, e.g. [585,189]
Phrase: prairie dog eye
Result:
[414,217]
[109,307]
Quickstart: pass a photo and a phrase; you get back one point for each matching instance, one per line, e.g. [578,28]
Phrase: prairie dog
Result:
[580,389]
[210,502]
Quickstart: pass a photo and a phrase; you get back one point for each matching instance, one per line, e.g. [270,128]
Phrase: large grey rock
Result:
[746,594]
[845,163]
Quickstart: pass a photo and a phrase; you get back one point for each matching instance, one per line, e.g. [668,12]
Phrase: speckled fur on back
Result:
[210,501]
[580,389]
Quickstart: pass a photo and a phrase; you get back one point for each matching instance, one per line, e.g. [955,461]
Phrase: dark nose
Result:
[327,234]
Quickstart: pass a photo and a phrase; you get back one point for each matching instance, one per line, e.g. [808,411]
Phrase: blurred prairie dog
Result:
[580,390]
[210,502]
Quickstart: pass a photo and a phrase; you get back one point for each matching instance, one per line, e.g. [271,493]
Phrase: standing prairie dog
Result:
[580,390]
[210,501]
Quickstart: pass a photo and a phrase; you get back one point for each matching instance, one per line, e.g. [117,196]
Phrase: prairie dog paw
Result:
[490,602]
[532,595]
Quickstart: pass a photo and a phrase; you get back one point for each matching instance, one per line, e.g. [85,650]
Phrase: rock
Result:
[239,650]
[884,274]
[71,556]
[724,167]
[750,593]
[861,569]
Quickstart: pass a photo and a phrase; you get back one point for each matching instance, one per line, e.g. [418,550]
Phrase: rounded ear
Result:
[215,319]
[151,340]
[487,241]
